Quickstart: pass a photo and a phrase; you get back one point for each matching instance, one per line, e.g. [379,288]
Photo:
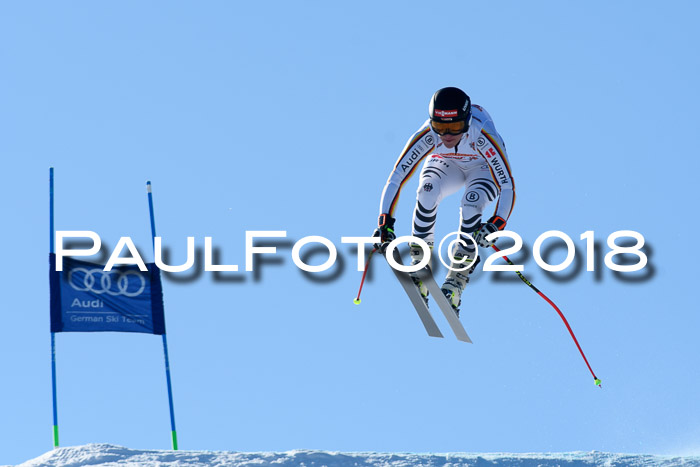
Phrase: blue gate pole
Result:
[53,335]
[165,340]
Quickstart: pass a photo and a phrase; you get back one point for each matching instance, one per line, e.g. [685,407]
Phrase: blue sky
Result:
[282,116]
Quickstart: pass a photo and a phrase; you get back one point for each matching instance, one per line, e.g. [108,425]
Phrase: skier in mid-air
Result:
[469,153]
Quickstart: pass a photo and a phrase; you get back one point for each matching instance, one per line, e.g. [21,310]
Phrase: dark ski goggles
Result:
[448,128]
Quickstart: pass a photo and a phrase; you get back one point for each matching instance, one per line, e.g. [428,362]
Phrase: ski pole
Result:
[357,300]
[595,378]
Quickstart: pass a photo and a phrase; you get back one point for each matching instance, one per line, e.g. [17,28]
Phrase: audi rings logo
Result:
[127,283]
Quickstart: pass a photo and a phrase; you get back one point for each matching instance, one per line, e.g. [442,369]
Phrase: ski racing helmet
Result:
[450,111]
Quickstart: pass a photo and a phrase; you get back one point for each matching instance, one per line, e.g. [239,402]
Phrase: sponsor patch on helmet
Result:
[446,113]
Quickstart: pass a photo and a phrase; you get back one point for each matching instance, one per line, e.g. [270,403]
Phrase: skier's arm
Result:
[494,151]
[418,146]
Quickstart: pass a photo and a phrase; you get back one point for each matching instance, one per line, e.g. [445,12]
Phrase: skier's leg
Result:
[480,190]
[439,178]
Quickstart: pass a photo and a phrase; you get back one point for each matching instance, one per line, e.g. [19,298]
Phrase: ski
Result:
[426,275]
[416,298]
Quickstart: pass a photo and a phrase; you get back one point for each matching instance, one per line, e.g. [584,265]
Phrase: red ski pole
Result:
[563,318]
[357,300]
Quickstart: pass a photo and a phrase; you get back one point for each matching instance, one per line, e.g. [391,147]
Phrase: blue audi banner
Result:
[85,298]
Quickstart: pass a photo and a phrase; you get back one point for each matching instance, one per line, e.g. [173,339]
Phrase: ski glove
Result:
[494,224]
[385,232]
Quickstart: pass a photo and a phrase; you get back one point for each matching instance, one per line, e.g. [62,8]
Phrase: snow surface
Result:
[109,455]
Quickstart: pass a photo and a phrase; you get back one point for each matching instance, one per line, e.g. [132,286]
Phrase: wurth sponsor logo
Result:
[446,113]
[498,170]
[438,160]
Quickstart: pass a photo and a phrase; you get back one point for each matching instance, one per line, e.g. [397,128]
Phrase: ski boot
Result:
[416,253]
[457,280]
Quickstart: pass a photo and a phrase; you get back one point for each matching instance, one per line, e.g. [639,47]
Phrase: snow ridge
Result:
[108,455]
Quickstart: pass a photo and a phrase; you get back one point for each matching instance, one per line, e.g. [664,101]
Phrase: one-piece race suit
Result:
[478,162]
